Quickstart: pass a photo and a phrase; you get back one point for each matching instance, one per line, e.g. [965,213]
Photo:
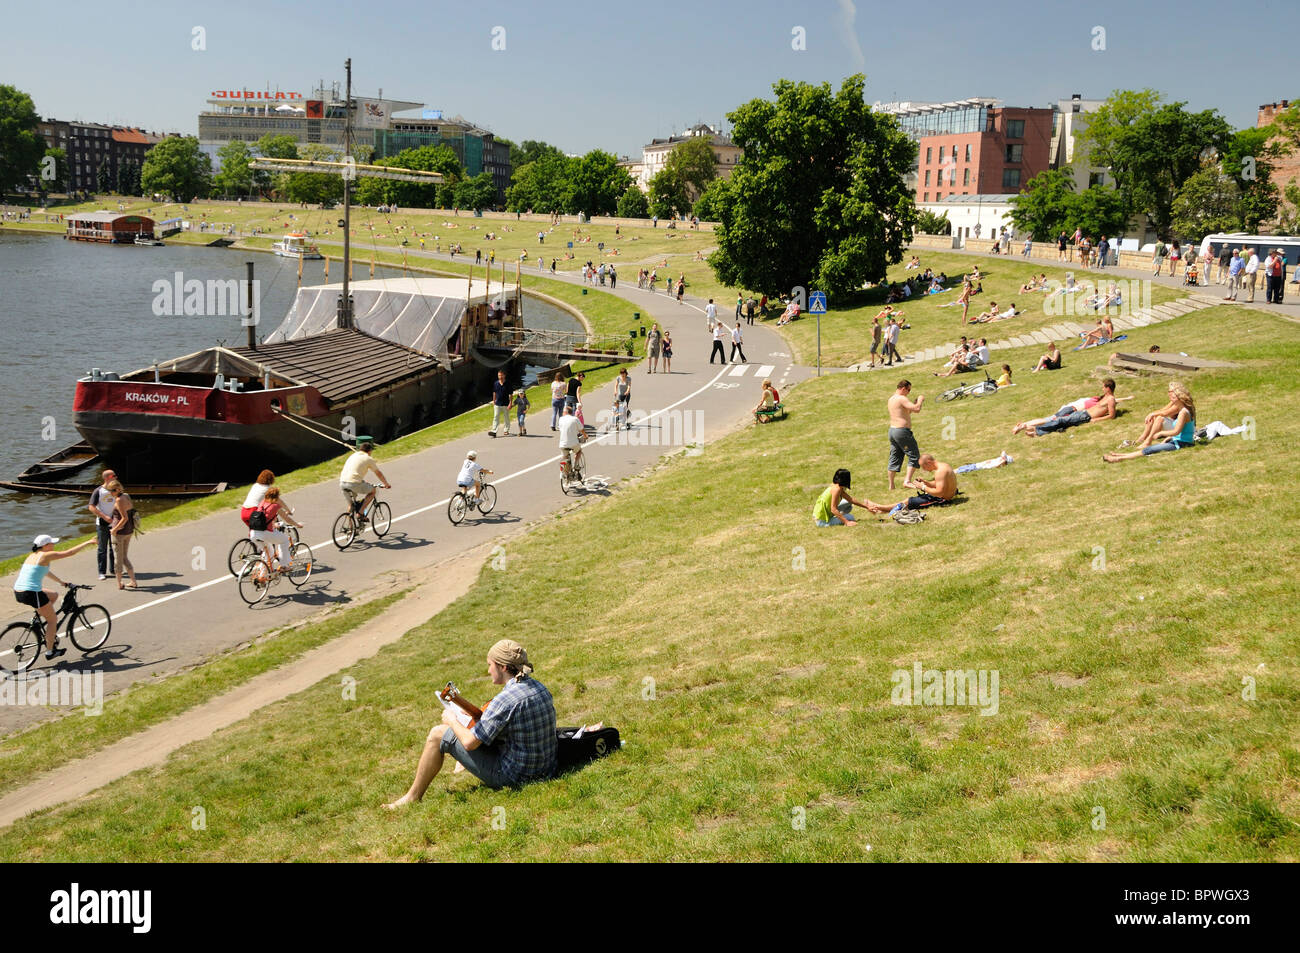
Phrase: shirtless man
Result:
[1082,411]
[901,440]
[929,492]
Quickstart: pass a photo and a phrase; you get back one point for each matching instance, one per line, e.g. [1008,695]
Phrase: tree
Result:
[1042,209]
[931,224]
[632,204]
[1208,202]
[597,182]
[104,177]
[694,163]
[442,159]
[177,167]
[668,194]
[530,150]
[124,178]
[478,192]
[21,147]
[706,206]
[235,177]
[315,188]
[1098,210]
[1248,158]
[58,182]
[819,199]
[273,147]
[544,185]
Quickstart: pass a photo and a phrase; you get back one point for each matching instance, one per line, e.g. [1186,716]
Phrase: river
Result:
[67,307]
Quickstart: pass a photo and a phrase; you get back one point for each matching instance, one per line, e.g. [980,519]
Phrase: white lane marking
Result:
[766,370]
[740,370]
[225,576]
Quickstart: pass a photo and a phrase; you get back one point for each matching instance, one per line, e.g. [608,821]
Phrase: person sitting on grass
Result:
[986,316]
[1102,300]
[1035,283]
[1005,379]
[1071,286]
[513,743]
[789,314]
[1101,334]
[1082,411]
[961,360]
[835,507]
[1051,361]
[914,263]
[929,492]
[1172,427]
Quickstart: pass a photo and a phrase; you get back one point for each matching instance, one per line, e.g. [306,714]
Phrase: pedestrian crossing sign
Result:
[817,302]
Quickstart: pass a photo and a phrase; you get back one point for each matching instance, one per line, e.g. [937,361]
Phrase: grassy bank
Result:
[1147,695]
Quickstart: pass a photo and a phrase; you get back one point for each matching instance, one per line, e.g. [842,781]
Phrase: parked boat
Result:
[61,464]
[145,240]
[295,245]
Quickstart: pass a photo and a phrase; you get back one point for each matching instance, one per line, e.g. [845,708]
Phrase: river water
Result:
[67,307]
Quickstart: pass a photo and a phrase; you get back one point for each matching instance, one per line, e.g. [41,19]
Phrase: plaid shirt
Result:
[520,723]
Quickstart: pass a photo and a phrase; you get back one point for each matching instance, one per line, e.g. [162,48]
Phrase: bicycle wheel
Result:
[345,530]
[292,533]
[89,628]
[950,395]
[381,519]
[19,646]
[254,580]
[488,500]
[456,508]
[565,480]
[242,549]
[300,564]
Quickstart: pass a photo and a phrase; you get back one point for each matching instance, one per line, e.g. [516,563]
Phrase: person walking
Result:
[1249,272]
[711,313]
[653,342]
[891,342]
[500,404]
[1274,275]
[668,353]
[123,528]
[875,338]
[1235,269]
[717,344]
[613,277]
[681,288]
[750,307]
[736,345]
[623,397]
[1158,257]
[1103,252]
[739,308]
[101,504]
[558,390]
[573,391]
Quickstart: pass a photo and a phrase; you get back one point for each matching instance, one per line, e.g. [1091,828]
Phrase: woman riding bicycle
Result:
[256,494]
[273,513]
[29,587]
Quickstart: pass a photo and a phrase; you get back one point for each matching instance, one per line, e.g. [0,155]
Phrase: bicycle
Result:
[258,574]
[22,642]
[979,388]
[572,475]
[350,524]
[462,501]
[245,548]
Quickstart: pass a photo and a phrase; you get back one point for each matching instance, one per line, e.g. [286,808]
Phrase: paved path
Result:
[188,607]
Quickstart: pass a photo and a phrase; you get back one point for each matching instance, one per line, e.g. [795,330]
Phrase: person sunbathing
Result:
[1051,361]
[1035,283]
[962,360]
[914,263]
[1070,287]
[1081,411]
[1101,334]
[1163,432]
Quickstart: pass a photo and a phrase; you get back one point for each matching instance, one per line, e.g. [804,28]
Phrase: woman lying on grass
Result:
[1162,431]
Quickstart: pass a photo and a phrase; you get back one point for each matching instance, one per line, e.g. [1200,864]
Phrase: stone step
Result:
[1075,329]
[1042,338]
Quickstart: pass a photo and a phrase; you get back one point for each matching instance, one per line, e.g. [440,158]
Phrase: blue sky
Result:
[586,75]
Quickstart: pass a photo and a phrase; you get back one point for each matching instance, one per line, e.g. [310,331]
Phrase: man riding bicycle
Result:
[352,482]
[571,437]
[471,474]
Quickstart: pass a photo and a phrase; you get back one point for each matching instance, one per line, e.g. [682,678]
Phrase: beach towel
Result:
[1118,337]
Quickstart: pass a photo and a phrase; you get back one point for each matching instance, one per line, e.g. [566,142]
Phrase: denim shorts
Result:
[1161,448]
[483,762]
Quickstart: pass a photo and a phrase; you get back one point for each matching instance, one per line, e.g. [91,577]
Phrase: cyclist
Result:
[623,397]
[271,515]
[471,474]
[256,494]
[352,482]
[571,436]
[29,587]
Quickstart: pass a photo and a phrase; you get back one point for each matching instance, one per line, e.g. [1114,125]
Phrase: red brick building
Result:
[1287,168]
[1012,148]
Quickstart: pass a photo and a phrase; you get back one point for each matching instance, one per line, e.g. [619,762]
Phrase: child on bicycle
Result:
[471,474]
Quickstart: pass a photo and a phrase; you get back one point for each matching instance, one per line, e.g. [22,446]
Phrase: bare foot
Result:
[458,769]
[1016,429]
[404,799]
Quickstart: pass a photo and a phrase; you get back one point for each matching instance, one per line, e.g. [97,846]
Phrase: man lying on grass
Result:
[512,743]
[1082,411]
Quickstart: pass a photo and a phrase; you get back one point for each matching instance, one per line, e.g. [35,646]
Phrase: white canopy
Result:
[419,313]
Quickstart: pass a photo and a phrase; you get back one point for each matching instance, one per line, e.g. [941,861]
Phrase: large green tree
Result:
[177,167]
[598,181]
[104,176]
[1249,158]
[544,185]
[819,199]
[706,206]
[273,147]
[315,188]
[669,194]
[1209,201]
[632,203]
[478,192]
[58,181]
[21,147]
[441,159]
[694,163]
[235,177]
[1042,209]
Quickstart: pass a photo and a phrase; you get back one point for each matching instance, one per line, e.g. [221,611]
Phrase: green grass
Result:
[31,753]
[771,647]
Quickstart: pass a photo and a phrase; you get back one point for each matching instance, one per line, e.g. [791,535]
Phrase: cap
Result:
[44,540]
[471,455]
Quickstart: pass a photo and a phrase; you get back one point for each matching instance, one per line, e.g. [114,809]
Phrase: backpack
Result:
[257,520]
[574,750]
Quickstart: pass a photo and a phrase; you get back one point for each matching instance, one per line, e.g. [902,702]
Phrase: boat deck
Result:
[341,364]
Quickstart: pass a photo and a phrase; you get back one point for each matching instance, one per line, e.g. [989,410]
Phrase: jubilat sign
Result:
[242,94]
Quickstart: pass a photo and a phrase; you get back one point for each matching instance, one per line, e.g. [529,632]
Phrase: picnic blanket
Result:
[1118,337]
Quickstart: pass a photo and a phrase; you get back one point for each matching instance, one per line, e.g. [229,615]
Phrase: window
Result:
[927,176]
[968,152]
[952,175]
[1096,178]
[954,152]
[965,176]
[925,196]
[1014,153]
[929,154]
[1015,129]
[1011,178]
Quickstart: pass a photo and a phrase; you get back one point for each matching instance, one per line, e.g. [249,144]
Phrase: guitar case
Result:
[575,751]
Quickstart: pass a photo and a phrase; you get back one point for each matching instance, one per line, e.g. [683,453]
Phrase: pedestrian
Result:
[711,313]
[1249,272]
[717,344]
[500,404]
[891,342]
[1062,243]
[521,405]
[1175,255]
[623,396]
[1103,250]
[681,288]
[875,337]
[653,342]
[558,390]
[101,504]
[573,391]
[123,528]
[736,345]
[613,277]
[739,313]
[1235,268]
[552,266]
[1158,257]
[668,353]
[902,442]
[750,307]
[1029,246]
[1275,278]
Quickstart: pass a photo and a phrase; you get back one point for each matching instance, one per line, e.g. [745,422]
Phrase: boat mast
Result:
[345,301]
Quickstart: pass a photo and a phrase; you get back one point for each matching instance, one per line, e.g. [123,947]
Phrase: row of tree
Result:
[1190,173]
